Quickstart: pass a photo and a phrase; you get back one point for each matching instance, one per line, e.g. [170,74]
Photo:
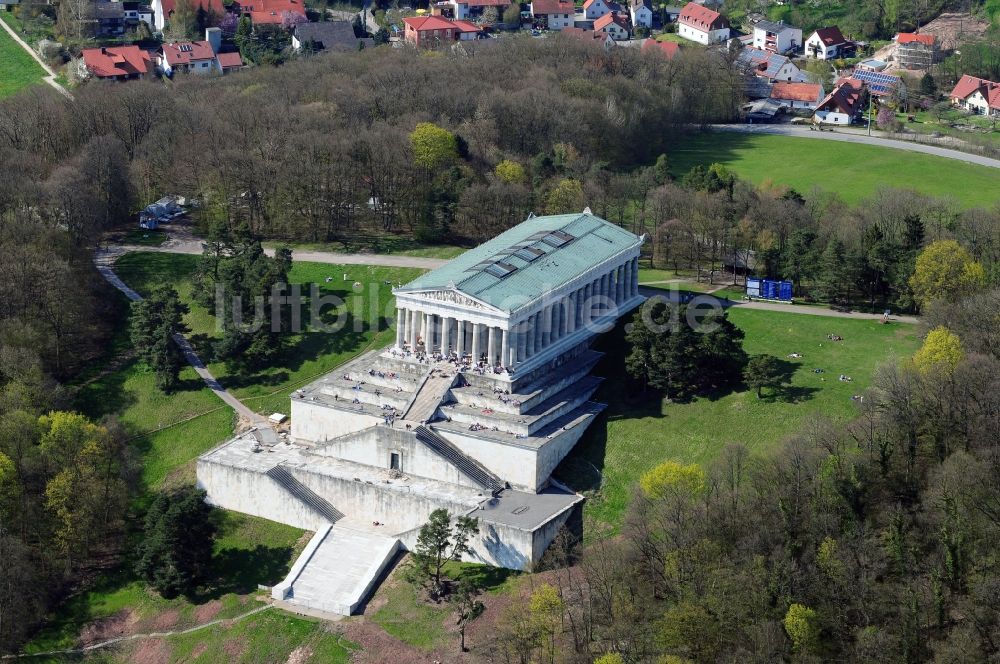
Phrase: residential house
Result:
[797,95]
[431,31]
[769,66]
[665,48]
[879,83]
[9,5]
[329,36]
[118,63]
[108,19]
[671,13]
[229,62]
[602,38]
[828,44]
[595,9]
[776,37]
[473,9]
[614,25]
[191,57]
[977,95]
[844,104]
[164,9]
[282,13]
[703,25]
[642,13]
[554,14]
[916,50]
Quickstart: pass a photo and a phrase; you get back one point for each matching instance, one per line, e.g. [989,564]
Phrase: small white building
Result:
[555,14]
[977,95]
[700,24]
[797,95]
[192,57]
[776,37]
[614,25]
[642,14]
[827,44]
[595,9]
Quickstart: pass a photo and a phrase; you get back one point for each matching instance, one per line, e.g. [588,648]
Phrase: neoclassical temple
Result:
[524,296]
[485,391]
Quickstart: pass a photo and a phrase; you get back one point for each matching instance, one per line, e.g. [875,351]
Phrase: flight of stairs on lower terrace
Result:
[304,494]
[430,395]
[469,466]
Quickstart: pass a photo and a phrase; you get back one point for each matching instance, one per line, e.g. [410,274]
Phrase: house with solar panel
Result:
[880,84]
[485,389]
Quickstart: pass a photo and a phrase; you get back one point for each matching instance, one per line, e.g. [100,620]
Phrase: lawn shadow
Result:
[240,571]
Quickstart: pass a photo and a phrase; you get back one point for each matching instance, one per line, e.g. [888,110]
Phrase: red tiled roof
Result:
[969,85]
[588,3]
[271,12]
[183,53]
[552,7]
[466,26]
[211,6]
[423,23]
[845,97]
[831,36]
[796,91]
[116,61]
[669,49]
[910,37]
[230,60]
[580,33]
[701,17]
[610,18]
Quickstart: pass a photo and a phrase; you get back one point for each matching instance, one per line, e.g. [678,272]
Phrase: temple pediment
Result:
[453,296]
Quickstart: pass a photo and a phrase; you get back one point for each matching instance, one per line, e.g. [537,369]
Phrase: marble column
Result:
[476,350]
[506,352]
[459,337]
[635,276]
[491,345]
[411,328]
[571,313]
[620,284]
[445,334]
[532,334]
[399,328]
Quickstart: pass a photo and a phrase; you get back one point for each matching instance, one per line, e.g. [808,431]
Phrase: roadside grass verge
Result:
[639,430]
[852,171]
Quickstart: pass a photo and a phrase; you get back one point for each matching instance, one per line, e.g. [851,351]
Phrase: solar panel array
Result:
[878,83]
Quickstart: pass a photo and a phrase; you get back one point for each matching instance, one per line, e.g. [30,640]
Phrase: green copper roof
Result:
[529,260]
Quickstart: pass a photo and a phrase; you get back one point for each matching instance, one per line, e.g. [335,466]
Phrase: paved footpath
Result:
[857,136]
[51,77]
[104,260]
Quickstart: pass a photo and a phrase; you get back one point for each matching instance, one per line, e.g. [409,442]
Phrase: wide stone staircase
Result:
[304,494]
[336,571]
[466,464]
[430,395]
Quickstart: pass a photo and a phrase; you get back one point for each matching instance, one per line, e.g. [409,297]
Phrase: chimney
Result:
[214,37]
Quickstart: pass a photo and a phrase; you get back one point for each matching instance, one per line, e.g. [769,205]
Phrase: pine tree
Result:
[175,553]
[154,322]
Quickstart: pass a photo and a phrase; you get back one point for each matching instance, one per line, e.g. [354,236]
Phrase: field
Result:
[394,246]
[17,69]
[638,430]
[852,171]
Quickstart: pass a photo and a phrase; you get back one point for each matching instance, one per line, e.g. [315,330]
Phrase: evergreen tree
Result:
[763,371]
[928,87]
[175,553]
[439,542]
[153,323]
[832,273]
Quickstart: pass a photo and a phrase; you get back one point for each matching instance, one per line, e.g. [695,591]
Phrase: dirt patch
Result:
[199,650]
[151,651]
[953,28]
[300,655]
[234,647]
[377,646]
[103,629]
[207,611]
[165,621]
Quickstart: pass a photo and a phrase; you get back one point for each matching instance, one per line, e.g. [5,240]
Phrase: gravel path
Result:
[104,260]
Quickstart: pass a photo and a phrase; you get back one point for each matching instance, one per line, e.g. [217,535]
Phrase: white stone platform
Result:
[337,569]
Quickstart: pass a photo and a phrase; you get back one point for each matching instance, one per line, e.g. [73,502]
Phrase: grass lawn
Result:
[406,615]
[674,37]
[394,246]
[853,171]
[18,69]
[639,431]
[144,238]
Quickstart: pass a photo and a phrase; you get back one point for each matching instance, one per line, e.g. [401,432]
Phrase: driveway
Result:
[858,136]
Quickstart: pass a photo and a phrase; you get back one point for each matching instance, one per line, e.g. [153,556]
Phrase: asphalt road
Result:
[856,136]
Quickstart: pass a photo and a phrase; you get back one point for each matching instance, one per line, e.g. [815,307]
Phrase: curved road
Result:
[855,136]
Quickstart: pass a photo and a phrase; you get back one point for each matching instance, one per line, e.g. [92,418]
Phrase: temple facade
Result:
[485,390]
